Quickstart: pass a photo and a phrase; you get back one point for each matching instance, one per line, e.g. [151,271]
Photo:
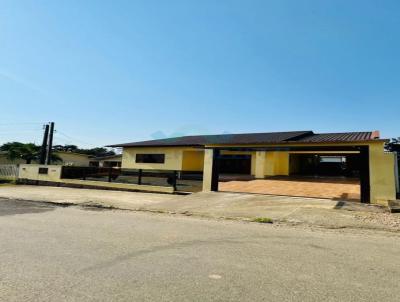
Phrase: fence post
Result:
[174,177]
[109,174]
[139,181]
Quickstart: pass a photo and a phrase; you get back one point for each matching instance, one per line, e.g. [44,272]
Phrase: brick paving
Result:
[332,188]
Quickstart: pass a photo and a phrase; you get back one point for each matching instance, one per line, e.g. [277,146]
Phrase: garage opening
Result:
[235,164]
[339,165]
[318,175]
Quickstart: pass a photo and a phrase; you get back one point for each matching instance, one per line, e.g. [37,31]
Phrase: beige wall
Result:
[173,158]
[32,172]
[382,175]
[186,159]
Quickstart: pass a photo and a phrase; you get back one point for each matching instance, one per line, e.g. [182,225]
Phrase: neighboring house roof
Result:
[255,138]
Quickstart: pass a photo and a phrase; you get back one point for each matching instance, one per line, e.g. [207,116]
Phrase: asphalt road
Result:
[50,253]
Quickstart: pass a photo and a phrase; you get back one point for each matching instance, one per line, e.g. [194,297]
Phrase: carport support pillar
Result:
[365,187]
[260,164]
[210,170]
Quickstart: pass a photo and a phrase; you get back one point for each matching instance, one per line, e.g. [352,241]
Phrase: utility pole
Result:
[50,144]
[43,150]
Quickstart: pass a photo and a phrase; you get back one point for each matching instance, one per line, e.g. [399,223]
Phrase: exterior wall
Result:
[277,163]
[32,172]
[260,164]
[382,175]
[173,158]
[193,161]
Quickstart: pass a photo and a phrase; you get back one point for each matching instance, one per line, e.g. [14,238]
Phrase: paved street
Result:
[51,253]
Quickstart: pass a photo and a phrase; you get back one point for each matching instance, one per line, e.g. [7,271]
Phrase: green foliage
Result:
[393,145]
[28,152]
[263,220]
[17,150]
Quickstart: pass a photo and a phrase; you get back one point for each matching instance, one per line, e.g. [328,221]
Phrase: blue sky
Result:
[118,71]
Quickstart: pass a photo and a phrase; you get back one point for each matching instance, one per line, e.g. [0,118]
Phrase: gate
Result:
[9,172]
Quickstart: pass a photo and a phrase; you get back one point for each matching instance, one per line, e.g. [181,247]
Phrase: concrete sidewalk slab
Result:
[63,195]
[281,209]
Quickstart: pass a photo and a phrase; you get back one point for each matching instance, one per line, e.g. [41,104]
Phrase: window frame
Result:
[150,158]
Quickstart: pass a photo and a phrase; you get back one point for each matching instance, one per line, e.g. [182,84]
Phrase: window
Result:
[43,170]
[150,158]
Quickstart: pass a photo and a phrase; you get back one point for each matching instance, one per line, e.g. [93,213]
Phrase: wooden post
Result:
[109,174]
[140,176]
[174,177]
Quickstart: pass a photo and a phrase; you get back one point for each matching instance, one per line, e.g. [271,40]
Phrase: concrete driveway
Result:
[328,187]
[282,209]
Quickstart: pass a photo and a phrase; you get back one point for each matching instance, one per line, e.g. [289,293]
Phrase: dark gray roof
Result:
[255,138]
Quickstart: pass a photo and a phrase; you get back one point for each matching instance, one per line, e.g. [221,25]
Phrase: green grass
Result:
[262,220]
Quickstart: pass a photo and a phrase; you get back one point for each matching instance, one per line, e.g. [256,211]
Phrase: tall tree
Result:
[28,152]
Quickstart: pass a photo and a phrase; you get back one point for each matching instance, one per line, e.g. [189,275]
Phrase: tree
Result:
[28,152]
[96,152]
[66,148]
[393,145]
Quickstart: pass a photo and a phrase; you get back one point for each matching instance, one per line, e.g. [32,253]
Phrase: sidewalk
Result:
[281,209]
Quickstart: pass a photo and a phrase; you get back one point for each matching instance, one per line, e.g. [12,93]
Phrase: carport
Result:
[309,176]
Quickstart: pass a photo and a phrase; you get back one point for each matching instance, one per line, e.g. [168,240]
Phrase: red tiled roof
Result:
[338,137]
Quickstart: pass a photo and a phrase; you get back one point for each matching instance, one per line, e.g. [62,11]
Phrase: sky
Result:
[110,72]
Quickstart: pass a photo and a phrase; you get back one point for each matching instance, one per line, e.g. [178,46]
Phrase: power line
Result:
[23,123]
[73,138]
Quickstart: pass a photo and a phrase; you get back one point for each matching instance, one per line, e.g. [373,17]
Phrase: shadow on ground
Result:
[15,207]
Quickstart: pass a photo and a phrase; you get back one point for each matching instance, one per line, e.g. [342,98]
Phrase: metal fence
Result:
[179,180]
[9,172]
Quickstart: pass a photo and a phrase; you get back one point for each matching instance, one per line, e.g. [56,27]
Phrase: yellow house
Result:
[356,158]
